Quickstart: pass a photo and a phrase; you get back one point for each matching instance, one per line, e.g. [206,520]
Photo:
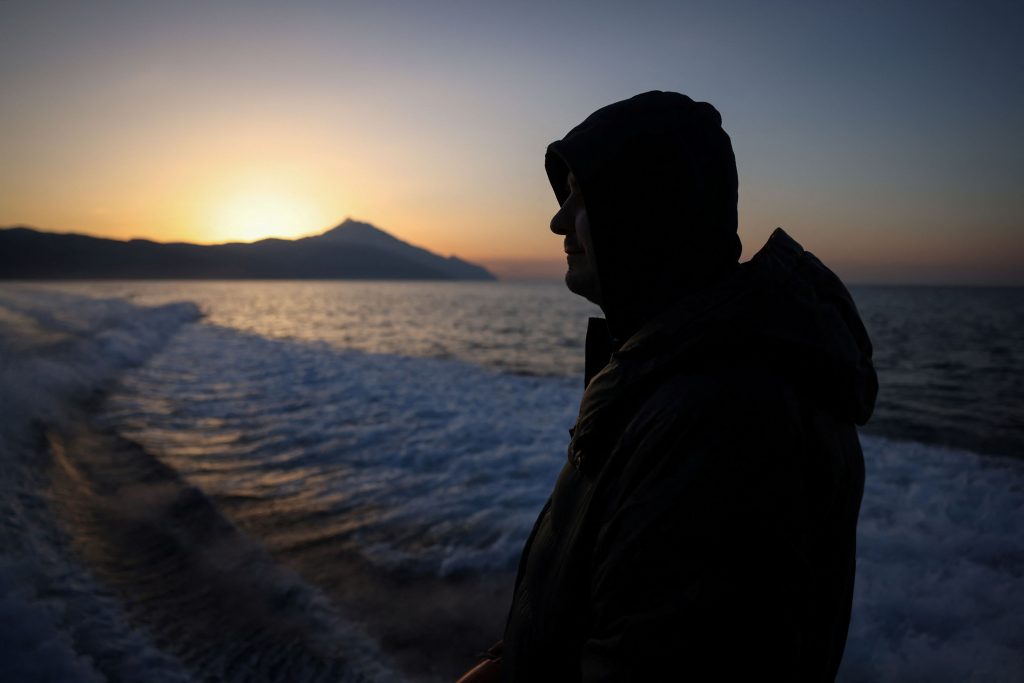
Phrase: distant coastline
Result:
[351,251]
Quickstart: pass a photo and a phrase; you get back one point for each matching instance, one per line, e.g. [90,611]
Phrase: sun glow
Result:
[247,217]
[254,206]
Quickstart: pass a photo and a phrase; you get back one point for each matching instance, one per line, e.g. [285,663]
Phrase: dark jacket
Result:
[704,525]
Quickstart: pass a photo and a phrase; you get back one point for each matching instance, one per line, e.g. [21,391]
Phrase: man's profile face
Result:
[571,220]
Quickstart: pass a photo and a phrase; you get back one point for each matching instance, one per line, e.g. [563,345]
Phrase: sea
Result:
[332,480]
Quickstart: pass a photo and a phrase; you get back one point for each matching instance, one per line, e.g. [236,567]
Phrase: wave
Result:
[56,621]
[436,467]
[112,567]
[57,349]
[939,592]
[422,468]
[429,467]
[205,594]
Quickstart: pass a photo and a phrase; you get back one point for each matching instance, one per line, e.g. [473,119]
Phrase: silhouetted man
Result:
[703,527]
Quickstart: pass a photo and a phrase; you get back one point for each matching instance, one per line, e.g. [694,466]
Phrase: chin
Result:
[583,285]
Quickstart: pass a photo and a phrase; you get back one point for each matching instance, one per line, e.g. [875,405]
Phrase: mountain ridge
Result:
[351,250]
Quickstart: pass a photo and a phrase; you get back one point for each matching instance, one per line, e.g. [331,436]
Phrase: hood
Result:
[658,177]
[783,308]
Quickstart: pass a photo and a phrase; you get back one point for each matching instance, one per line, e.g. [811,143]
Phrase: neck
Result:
[630,312]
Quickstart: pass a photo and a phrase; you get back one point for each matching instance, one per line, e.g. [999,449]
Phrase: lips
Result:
[572,248]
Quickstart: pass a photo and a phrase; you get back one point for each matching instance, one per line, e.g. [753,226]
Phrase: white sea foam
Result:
[56,621]
[940,567]
[58,348]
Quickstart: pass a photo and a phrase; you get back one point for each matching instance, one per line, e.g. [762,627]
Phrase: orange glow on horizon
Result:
[255,205]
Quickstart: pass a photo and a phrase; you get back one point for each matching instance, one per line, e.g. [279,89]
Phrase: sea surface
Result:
[333,480]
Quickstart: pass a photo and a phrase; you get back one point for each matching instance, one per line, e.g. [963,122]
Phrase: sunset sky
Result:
[888,138]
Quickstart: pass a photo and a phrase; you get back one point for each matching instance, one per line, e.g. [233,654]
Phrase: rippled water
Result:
[296,481]
[398,459]
[950,364]
[950,360]
[524,328]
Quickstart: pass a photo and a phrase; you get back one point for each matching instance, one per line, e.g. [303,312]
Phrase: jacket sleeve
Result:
[699,563]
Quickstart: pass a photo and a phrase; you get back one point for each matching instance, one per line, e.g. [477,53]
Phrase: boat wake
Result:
[184,500]
[111,566]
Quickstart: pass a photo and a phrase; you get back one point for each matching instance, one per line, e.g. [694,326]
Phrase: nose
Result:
[561,222]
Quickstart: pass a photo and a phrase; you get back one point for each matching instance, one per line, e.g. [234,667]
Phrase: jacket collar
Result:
[617,377]
[599,348]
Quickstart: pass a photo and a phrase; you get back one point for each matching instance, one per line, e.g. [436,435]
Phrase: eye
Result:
[574,187]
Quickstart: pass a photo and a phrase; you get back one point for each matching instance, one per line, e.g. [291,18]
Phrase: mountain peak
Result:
[358,232]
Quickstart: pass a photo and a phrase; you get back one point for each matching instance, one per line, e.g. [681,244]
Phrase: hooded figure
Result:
[703,526]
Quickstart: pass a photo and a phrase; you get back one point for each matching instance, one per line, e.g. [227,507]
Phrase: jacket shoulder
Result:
[734,398]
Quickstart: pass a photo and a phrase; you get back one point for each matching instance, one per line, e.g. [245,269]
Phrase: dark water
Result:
[950,364]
